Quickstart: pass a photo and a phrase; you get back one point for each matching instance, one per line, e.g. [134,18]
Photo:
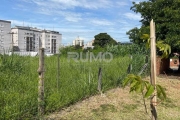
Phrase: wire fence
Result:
[65,81]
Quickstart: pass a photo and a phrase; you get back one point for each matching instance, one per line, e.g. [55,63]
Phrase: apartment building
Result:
[5,36]
[51,41]
[31,39]
[78,41]
[26,38]
[89,45]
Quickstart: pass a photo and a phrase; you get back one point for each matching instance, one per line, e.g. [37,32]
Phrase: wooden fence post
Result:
[90,75]
[130,65]
[41,84]
[153,102]
[58,71]
[131,57]
[99,79]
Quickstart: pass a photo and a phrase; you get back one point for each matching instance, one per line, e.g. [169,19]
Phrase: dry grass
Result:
[119,104]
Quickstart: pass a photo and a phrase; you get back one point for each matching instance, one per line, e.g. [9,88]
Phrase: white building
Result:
[26,39]
[89,45]
[51,41]
[78,41]
[5,36]
[30,39]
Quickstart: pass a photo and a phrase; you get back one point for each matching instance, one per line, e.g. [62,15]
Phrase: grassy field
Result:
[78,80]
[119,104]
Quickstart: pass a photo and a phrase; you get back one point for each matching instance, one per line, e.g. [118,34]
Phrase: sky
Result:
[73,18]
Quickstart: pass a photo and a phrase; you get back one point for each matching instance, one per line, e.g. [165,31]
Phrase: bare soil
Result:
[119,104]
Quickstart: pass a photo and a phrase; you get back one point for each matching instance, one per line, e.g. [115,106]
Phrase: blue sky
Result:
[72,18]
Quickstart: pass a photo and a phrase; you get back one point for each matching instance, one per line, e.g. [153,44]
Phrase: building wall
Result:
[78,41]
[31,39]
[55,42]
[51,41]
[26,40]
[5,37]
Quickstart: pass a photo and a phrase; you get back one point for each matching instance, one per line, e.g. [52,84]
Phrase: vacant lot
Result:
[119,104]
[72,82]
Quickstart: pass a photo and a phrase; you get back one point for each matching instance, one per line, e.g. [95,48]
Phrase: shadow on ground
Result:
[172,73]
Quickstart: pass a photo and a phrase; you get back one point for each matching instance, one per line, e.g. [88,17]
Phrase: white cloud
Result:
[133,16]
[101,22]
[71,16]
[121,3]
[69,4]
[67,15]
[137,1]
[93,4]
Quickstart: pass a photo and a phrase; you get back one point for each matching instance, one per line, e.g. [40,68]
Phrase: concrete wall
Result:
[5,37]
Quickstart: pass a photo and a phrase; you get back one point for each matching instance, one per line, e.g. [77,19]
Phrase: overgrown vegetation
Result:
[19,81]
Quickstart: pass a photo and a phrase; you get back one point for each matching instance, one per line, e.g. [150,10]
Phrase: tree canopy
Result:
[103,39]
[166,15]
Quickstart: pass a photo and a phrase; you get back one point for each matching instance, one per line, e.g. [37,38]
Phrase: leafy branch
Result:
[138,85]
[163,47]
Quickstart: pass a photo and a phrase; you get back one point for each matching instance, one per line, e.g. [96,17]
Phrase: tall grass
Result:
[19,83]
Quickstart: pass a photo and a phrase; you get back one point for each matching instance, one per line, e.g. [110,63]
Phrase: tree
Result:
[165,14]
[136,33]
[103,39]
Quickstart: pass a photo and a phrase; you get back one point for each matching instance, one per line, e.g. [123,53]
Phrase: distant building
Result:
[30,39]
[5,36]
[78,41]
[89,45]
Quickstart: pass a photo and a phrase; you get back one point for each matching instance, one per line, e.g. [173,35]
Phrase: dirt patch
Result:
[119,104]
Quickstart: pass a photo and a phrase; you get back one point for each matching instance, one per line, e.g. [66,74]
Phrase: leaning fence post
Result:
[41,84]
[99,79]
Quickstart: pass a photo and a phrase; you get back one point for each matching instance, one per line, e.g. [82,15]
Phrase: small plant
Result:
[138,85]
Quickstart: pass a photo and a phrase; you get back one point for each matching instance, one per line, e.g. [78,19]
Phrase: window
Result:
[53,46]
[30,44]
